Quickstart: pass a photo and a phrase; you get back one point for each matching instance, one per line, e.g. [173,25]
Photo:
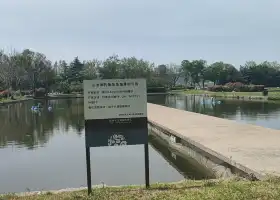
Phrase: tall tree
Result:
[76,70]
[194,71]
[173,73]
[64,71]
[221,73]
[134,68]
[110,68]
[265,73]
[91,69]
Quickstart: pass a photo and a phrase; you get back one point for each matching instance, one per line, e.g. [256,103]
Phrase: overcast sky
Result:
[161,31]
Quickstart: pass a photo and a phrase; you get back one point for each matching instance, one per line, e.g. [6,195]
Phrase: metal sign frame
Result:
[115,115]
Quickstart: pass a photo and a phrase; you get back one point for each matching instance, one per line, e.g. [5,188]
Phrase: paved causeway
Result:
[254,147]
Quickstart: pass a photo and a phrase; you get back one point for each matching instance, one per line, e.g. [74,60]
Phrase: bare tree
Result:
[174,72]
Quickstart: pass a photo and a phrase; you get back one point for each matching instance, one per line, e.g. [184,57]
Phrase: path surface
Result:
[255,147]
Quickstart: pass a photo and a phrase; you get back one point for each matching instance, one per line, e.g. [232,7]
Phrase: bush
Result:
[76,88]
[64,87]
[178,87]
[155,82]
[26,92]
[190,87]
[17,93]
[257,88]
[156,90]
[5,94]
[265,92]
[216,88]
[237,87]
[40,92]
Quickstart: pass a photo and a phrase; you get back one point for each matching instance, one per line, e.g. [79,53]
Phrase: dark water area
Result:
[44,151]
[187,167]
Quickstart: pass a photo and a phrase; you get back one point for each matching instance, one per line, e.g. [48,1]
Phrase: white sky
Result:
[161,31]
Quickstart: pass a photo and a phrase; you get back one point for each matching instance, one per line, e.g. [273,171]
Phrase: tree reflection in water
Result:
[21,127]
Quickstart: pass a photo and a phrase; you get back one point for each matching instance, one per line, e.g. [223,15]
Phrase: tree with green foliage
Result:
[24,71]
[194,71]
[64,71]
[91,69]
[110,68]
[76,71]
[222,73]
[28,70]
[266,73]
[134,68]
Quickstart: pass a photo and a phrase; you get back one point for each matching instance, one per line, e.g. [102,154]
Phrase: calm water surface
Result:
[47,151]
[266,114]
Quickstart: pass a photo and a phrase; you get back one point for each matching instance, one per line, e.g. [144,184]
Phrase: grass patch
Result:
[274,89]
[274,95]
[7,100]
[187,190]
[223,93]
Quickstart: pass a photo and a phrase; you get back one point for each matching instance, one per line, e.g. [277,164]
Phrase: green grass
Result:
[7,100]
[274,89]
[223,93]
[187,190]
[272,95]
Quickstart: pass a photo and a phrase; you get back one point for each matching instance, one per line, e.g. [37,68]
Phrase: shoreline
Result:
[15,101]
[232,97]
[240,98]
[60,96]
[237,96]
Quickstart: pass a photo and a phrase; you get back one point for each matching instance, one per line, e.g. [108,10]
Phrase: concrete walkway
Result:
[254,147]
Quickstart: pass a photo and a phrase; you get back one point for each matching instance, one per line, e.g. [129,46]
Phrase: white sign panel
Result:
[115,98]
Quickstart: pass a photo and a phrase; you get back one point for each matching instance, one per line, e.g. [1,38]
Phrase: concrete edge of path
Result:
[213,155]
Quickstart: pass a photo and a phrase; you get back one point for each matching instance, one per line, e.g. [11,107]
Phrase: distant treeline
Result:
[28,71]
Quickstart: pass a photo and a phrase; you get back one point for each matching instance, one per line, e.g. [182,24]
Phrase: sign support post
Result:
[88,170]
[147,170]
[115,115]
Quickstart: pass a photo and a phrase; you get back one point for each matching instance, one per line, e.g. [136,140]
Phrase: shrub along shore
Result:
[235,90]
[187,190]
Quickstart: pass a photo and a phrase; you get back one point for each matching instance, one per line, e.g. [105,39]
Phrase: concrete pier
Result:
[244,148]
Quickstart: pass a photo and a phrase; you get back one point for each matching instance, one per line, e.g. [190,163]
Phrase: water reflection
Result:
[46,150]
[265,114]
[188,167]
[20,127]
[61,161]
[23,128]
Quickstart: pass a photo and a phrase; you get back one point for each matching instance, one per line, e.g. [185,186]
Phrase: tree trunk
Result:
[33,85]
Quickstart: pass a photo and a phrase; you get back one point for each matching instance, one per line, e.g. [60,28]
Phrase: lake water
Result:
[261,113]
[47,151]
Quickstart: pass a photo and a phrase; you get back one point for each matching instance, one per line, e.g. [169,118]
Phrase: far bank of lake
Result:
[272,95]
